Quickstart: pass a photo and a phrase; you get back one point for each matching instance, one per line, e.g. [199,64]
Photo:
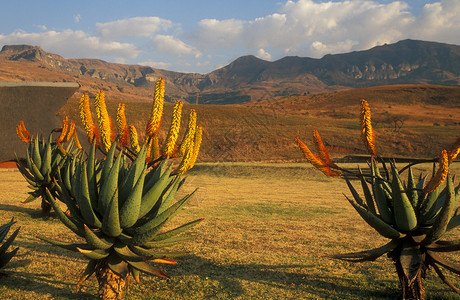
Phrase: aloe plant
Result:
[414,221]
[120,205]
[5,255]
[119,209]
[43,160]
[414,215]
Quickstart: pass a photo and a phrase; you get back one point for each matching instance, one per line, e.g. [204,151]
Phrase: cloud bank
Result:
[303,28]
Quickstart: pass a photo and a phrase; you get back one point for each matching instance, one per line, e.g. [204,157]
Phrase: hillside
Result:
[247,78]
[409,120]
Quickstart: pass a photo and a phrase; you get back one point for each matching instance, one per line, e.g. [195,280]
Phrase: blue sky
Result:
[203,35]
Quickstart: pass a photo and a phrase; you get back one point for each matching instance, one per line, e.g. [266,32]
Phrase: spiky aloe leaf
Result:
[367,194]
[404,213]
[368,255]
[440,225]
[65,245]
[129,212]
[93,254]
[4,259]
[148,268]
[375,222]
[72,225]
[118,265]
[89,270]
[412,189]
[437,258]
[96,242]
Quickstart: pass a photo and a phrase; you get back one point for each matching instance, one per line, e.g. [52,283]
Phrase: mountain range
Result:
[248,78]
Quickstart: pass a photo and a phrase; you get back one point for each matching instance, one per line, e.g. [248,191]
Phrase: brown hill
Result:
[247,78]
[409,120]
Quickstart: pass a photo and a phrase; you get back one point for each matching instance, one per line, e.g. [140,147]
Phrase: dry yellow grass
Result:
[267,229]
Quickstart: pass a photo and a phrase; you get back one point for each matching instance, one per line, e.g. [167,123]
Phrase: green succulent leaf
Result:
[65,245]
[375,222]
[118,265]
[93,254]
[440,224]
[437,258]
[368,255]
[405,217]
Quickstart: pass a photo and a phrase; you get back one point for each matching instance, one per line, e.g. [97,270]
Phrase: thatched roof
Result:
[35,103]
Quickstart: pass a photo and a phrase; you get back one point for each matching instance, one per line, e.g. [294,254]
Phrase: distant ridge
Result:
[248,78]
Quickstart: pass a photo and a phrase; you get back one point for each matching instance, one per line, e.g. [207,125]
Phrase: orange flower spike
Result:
[153,126]
[22,132]
[122,126]
[104,120]
[171,138]
[133,139]
[440,175]
[367,132]
[85,115]
[64,129]
[316,161]
[77,141]
[70,133]
[454,150]
[322,150]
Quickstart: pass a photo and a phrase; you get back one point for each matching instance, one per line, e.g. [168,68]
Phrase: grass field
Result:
[267,230]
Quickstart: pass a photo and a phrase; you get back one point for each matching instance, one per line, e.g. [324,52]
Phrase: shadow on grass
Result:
[14,208]
[294,279]
[33,213]
[41,284]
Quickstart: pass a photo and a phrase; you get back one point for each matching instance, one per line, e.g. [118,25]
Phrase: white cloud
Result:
[212,33]
[155,64]
[72,44]
[172,45]
[314,28]
[77,18]
[263,54]
[132,27]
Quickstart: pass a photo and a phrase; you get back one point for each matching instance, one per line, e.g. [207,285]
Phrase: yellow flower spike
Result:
[316,161]
[322,150]
[85,115]
[171,138]
[122,126]
[22,132]
[454,150]
[104,120]
[196,146]
[133,139]
[64,129]
[70,133]
[186,159]
[153,126]
[189,133]
[441,174]
[367,133]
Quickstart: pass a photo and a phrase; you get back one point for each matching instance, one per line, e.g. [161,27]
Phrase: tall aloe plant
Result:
[120,205]
[43,159]
[413,215]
